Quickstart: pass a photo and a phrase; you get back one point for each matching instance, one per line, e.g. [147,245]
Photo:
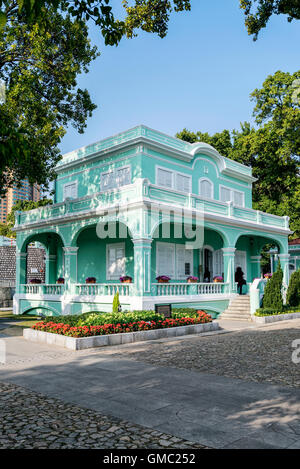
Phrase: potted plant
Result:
[126,279]
[192,279]
[163,279]
[90,280]
[60,280]
[218,279]
[35,280]
[268,275]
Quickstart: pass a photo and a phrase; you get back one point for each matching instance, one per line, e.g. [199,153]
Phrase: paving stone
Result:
[20,428]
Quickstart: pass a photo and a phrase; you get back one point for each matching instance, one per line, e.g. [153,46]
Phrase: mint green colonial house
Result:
[118,212]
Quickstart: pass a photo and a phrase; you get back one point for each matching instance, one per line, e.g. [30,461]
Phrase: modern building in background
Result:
[13,194]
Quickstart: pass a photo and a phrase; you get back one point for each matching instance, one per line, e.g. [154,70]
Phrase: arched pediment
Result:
[206,149]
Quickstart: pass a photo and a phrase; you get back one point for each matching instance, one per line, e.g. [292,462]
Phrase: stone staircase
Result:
[238,309]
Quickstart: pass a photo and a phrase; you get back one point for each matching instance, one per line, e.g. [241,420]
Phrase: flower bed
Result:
[107,329]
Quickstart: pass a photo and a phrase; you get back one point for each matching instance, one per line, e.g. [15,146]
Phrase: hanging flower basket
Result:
[192,279]
[126,279]
[35,280]
[163,279]
[90,280]
[60,280]
[218,279]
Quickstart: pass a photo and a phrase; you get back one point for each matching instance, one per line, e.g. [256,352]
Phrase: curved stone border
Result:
[275,318]
[74,343]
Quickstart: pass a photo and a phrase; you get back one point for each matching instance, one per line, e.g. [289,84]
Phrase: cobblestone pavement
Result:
[32,420]
[263,354]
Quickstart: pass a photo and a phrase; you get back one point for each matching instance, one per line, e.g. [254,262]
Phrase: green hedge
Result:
[293,292]
[273,311]
[99,318]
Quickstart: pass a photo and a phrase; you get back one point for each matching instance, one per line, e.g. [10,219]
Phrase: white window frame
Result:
[174,175]
[114,172]
[157,169]
[244,266]
[211,188]
[188,176]
[161,244]
[232,195]
[69,184]
[178,275]
[175,247]
[116,246]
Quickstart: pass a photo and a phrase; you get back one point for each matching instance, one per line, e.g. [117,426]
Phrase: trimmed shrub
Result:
[273,312]
[293,292]
[116,303]
[273,296]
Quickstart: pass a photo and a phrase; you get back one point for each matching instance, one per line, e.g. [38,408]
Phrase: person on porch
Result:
[206,277]
[239,278]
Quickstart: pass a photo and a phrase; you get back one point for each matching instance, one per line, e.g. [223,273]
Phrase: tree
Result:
[293,292]
[23,205]
[44,45]
[273,296]
[42,97]
[220,141]
[149,15]
[259,12]
[272,148]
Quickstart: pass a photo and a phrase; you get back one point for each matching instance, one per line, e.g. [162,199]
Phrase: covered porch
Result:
[143,254]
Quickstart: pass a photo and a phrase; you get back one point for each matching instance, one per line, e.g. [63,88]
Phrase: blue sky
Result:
[199,76]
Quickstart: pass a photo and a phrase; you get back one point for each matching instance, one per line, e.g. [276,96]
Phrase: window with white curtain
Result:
[183,183]
[232,195]
[206,188]
[70,190]
[115,261]
[174,260]
[165,259]
[173,180]
[225,194]
[164,178]
[218,261]
[115,178]
[184,262]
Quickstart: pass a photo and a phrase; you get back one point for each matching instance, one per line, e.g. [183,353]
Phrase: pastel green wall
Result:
[91,259]
[143,164]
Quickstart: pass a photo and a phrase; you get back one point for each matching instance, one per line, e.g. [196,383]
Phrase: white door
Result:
[241,261]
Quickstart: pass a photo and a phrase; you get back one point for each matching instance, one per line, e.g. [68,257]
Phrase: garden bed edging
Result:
[275,318]
[81,343]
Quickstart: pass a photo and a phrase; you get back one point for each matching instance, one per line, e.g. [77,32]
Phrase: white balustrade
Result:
[110,289]
[182,289]
[43,289]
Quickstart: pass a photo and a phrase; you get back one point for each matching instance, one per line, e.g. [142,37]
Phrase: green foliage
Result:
[184,313]
[39,65]
[100,318]
[293,292]
[259,12]
[148,15]
[274,311]
[23,205]
[116,303]
[272,149]
[272,295]
[220,141]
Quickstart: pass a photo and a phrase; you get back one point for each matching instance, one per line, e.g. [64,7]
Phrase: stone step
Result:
[237,308]
[230,318]
[235,315]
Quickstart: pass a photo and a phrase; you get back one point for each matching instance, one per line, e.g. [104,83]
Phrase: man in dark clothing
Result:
[239,278]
